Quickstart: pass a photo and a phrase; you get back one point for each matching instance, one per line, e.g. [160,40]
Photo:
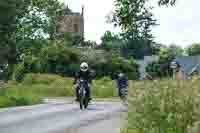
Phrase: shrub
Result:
[58,59]
[17,97]
[104,88]
[21,100]
[48,85]
[6,102]
[32,78]
[31,64]
[19,72]
[64,60]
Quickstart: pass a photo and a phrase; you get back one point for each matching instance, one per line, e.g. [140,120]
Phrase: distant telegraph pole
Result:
[173,65]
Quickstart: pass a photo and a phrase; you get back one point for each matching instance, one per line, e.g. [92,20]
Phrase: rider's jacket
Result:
[83,75]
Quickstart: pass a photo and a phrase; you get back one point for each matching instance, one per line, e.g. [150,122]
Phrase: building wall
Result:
[72,23]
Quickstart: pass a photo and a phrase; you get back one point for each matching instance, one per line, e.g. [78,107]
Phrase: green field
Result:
[36,86]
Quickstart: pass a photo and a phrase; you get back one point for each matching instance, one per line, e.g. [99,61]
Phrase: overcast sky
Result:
[179,24]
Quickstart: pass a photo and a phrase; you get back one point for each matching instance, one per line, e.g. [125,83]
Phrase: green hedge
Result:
[65,61]
[14,96]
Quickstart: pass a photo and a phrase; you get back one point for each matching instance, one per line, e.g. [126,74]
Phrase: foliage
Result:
[3,71]
[35,86]
[166,2]
[10,13]
[139,48]
[19,72]
[105,64]
[193,49]
[169,53]
[6,102]
[55,85]
[57,58]
[134,17]
[47,85]
[29,64]
[104,88]
[21,21]
[154,69]
[12,96]
[37,78]
[111,41]
[60,59]
[30,47]
[136,21]
[39,19]
[163,106]
[89,43]
[161,68]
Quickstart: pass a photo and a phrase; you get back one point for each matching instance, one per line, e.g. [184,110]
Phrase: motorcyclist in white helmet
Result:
[85,74]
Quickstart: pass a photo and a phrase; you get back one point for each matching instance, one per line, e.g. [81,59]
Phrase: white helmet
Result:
[84,67]
[121,75]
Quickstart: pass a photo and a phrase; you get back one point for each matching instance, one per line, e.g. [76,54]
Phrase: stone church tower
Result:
[71,22]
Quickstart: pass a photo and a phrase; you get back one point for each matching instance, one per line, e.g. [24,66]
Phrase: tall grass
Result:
[165,106]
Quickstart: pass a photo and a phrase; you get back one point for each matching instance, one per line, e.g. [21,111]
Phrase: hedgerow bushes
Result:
[65,61]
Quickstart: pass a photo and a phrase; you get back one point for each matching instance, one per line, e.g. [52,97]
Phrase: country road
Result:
[62,117]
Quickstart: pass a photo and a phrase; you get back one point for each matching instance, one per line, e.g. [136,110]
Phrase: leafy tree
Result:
[11,11]
[166,2]
[58,58]
[193,49]
[89,43]
[77,40]
[154,69]
[40,19]
[36,24]
[30,46]
[134,17]
[109,36]
[106,63]
[111,41]
[168,54]
[71,39]
[136,21]
[23,21]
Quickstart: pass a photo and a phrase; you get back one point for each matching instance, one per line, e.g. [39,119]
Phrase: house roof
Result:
[188,64]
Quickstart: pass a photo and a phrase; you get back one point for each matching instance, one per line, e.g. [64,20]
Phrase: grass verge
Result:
[165,106]
[36,86]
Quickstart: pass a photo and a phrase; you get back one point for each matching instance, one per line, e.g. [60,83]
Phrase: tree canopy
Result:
[193,49]
[166,2]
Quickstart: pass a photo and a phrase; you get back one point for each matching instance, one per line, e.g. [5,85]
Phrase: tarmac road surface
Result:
[62,117]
